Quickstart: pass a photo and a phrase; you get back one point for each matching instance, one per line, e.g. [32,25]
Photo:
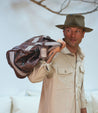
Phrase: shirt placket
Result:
[74,84]
[78,62]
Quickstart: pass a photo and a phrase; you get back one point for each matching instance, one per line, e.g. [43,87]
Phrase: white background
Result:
[20,21]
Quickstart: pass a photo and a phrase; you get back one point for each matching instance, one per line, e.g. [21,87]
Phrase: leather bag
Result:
[24,57]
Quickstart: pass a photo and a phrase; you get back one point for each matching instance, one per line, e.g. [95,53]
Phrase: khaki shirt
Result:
[62,90]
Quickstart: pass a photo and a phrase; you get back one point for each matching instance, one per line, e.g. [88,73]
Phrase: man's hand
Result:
[62,43]
[83,110]
[54,51]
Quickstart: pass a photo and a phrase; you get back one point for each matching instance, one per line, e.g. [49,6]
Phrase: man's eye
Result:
[68,30]
[77,31]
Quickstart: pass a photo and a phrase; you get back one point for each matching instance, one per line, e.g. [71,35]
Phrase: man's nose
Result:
[73,34]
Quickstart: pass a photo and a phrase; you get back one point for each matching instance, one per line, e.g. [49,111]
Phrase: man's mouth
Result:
[73,40]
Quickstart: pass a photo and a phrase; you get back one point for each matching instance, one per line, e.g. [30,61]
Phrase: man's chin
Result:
[73,45]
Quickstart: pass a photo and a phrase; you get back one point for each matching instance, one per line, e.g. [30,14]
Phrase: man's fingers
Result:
[57,49]
[59,40]
[63,44]
[51,52]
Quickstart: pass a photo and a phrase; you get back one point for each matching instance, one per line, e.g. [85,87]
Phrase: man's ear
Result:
[83,33]
[64,32]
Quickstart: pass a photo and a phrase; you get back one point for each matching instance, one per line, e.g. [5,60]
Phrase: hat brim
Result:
[86,29]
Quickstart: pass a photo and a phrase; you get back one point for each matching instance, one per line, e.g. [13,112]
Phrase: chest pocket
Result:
[80,78]
[81,73]
[65,77]
[61,71]
[81,68]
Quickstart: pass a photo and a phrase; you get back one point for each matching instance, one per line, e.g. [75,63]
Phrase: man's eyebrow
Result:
[67,27]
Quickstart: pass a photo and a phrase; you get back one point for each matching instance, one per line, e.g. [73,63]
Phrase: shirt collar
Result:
[79,52]
[65,50]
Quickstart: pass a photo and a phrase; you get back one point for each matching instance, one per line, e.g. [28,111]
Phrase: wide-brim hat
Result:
[75,21]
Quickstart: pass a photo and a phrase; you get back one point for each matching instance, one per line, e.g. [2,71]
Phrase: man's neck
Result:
[72,49]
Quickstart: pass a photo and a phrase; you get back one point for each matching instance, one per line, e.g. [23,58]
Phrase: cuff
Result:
[84,104]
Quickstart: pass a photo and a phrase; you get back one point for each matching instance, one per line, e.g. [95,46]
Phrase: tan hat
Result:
[75,21]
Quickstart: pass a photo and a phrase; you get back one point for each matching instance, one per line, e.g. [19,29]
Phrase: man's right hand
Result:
[54,51]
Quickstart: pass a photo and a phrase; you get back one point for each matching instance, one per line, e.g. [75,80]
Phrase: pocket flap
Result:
[82,69]
[64,71]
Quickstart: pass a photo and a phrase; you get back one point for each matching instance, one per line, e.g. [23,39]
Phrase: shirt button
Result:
[65,71]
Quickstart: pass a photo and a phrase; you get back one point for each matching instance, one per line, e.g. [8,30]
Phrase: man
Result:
[63,73]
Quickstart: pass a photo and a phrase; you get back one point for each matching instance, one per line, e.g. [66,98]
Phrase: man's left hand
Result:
[57,49]
[83,110]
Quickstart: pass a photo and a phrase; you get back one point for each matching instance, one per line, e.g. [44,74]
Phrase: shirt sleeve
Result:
[83,98]
[41,71]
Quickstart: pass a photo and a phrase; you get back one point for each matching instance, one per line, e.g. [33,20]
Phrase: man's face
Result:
[73,36]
